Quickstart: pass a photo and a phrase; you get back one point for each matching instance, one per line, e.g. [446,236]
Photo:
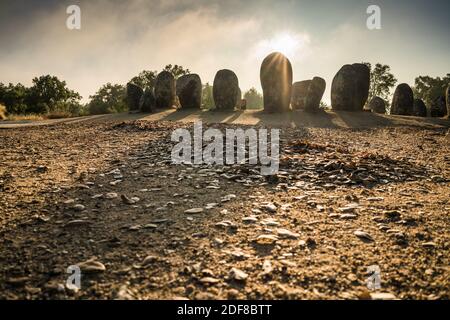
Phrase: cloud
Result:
[114,44]
[119,39]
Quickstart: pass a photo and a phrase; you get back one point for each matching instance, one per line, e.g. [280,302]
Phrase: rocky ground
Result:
[104,195]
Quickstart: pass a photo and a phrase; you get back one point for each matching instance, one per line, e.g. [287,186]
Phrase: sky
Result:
[118,39]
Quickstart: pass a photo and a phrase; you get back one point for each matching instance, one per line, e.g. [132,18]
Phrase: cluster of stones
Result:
[349,92]
[187,88]
[403,103]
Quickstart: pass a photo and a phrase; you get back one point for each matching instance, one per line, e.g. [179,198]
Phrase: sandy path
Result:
[296,119]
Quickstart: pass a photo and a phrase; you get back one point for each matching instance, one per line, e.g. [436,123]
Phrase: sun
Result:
[285,42]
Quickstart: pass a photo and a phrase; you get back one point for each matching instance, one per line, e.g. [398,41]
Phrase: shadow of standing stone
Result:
[165,90]
[225,90]
[403,100]
[189,91]
[276,82]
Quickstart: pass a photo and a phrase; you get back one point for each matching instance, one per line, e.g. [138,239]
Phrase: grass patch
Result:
[24,117]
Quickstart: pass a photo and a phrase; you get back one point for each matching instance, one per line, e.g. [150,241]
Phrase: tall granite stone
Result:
[419,108]
[299,92]
[377,105]
[314,94]
[438,107]
[403,100]
[238,100]
[276,82]
[350,87]
[165,90]
[362,72]
[343,89]
[225,90]
[189,91]
[134,94]
[147,102]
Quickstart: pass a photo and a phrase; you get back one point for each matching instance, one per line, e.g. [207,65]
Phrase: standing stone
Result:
[276,82]
[350,87]
[243,104]
[362,72]
[343,89]
[134,94]
[299,92]
[238,100]
[377,105]
[438,108]
[419,108]
[314,94]
[447,98]
[225,89]
[165,90]
[189,91]
[403,101]
[147,102]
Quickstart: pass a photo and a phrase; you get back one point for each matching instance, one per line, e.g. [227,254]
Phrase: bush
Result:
[66,110]
[108,99]
[40,108]
[2,112]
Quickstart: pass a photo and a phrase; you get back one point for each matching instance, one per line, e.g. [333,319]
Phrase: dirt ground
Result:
[353,191]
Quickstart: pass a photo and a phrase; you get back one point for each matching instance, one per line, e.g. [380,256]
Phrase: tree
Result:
[14,98]
[145,79]
[429,89]
[176,70]
[109,98]
[207,97]
[254,99]
[381,81]
[48,93]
